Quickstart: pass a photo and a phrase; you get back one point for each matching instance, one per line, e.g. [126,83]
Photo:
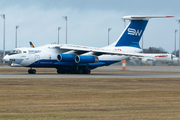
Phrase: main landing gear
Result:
[32,71]
[59,71]
[80,71]
[83,71]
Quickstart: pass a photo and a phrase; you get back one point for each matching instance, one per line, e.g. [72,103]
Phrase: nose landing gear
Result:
[32,71]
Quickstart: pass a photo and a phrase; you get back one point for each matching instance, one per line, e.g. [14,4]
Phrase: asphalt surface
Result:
[113,71]
[142,68]
[95,75]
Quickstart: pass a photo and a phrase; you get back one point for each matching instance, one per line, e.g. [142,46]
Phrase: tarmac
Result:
[113,71]
[142,68]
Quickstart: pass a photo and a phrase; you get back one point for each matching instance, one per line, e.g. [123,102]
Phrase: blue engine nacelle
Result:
[86,59]
[66,57]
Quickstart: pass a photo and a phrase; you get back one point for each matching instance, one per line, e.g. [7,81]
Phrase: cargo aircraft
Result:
[67,58]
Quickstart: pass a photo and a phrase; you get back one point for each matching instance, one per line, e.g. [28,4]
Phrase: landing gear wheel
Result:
[32,71]
[87,71]
[80,71]
[60,71]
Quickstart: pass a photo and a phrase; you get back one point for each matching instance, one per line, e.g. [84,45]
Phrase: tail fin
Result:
[31,44]
[133,32]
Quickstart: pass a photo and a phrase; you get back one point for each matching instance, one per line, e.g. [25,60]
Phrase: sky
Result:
[88,22]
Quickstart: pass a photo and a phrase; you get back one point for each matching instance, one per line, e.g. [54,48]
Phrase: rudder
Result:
[132,34]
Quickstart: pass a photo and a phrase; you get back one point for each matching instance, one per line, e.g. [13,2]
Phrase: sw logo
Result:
[135,32]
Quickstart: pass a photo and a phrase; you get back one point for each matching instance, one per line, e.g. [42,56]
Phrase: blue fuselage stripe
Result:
[56,64]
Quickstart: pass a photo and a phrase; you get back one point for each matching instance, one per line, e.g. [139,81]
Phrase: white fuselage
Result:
[45,56]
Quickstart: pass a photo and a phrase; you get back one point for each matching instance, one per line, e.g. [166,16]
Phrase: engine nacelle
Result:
[66,57]
[86,59]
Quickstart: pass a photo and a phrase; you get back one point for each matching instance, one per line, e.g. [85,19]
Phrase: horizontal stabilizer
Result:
[140,17]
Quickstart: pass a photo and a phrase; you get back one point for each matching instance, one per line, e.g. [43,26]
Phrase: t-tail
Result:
[134,31]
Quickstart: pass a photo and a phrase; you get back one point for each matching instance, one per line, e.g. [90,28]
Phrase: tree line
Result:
[154,50]
[159,50]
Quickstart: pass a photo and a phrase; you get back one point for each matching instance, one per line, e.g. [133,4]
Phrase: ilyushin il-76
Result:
[67,58]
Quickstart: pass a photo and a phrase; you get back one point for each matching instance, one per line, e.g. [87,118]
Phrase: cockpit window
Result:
[15,52]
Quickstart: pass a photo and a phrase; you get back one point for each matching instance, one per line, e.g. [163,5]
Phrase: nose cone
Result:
[6,58]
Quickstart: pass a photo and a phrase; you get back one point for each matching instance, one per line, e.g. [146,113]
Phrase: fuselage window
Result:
[13,51]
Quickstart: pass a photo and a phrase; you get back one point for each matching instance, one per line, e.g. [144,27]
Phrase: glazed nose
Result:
[6,58]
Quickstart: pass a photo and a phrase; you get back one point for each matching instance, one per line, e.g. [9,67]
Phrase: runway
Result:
[95,75]
[103,72]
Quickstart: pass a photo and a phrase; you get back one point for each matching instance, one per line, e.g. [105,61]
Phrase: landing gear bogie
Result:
[79,71]
[83,71]
[60,71]
[87,71]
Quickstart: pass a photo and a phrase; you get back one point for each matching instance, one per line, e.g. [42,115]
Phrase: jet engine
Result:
[66,57]
[86,59]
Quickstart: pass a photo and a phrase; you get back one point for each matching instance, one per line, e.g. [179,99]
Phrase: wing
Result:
[84,50]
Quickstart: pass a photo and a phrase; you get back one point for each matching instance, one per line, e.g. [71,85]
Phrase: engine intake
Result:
[86,59]
[66,57]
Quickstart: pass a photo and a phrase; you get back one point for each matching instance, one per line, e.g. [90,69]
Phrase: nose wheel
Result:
[32,71]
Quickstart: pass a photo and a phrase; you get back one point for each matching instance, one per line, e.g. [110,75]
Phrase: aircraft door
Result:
[37,58]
